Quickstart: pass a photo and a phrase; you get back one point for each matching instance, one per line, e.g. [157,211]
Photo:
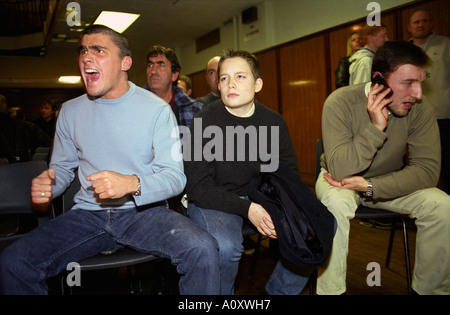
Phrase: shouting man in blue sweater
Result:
[118,136]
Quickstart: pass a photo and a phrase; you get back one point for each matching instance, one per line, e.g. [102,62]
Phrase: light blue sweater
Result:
[134,134]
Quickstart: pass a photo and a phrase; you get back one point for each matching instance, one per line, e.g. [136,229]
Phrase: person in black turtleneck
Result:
[233,140]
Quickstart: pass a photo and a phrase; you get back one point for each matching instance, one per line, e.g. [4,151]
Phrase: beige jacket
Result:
[353,146]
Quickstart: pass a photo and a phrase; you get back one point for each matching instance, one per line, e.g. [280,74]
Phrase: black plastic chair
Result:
[115,257]
[15,200]
[364,212]
[41,153]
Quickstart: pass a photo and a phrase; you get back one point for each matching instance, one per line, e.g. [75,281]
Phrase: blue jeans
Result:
[77,234]
[287,279]
[226,228]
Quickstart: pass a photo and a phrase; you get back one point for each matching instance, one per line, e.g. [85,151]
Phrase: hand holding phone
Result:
[378,79]
[377,102]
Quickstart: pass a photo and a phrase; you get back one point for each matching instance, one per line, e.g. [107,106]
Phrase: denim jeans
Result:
[77,234]
[287,279]
[226,228]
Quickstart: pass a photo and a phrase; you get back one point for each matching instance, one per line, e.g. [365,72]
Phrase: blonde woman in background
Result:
[342,72]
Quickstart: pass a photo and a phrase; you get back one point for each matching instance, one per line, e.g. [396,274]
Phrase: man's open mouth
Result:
[92,75]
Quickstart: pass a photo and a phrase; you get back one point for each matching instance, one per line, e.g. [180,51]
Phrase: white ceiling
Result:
[171,23]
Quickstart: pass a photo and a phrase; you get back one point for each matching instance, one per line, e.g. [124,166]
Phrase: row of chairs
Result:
[18,216]
[18,202]
[40,154]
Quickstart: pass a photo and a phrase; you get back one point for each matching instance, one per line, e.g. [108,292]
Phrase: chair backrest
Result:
[15,185]
[42,150]
[41,153]
[319,152]
[67,196]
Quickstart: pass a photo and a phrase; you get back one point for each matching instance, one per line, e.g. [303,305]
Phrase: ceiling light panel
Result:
[118,21]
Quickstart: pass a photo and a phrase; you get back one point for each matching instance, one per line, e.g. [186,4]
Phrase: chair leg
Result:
[65,288]
[255,256]
[407,261]
[138,276]
[130,278]
[391,242]
[312,281]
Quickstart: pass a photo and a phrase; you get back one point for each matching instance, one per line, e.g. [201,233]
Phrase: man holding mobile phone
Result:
[366,136]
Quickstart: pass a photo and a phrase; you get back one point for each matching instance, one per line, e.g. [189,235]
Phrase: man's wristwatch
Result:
[369,191]
[138,192]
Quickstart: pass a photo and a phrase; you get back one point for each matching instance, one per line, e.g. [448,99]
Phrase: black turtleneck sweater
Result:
[218,180]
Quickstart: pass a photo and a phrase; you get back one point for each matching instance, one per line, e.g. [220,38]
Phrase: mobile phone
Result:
[378,79]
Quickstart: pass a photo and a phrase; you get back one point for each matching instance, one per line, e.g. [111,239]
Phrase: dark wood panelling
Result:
[269,93]
[390,21]
[208,40]
[303,88]
[199,85]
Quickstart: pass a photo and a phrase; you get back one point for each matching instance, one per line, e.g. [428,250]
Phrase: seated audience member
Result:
[372,38]
[185,83]
[47,121]
[342,73]
[19,138]
[119,138]
[366,135]
[217,186]
[163,69]
[211,80]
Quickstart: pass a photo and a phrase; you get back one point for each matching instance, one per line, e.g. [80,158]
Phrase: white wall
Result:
[280,21]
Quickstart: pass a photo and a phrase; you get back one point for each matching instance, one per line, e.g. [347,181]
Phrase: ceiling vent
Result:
[24,26]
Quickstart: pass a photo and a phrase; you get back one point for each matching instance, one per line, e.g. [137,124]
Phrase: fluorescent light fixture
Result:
[69,79]
[118,21]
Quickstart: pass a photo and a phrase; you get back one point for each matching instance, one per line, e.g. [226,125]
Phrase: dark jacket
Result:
[342,72]
[304,226]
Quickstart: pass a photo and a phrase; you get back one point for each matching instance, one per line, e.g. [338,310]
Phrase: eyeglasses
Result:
[159,64]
